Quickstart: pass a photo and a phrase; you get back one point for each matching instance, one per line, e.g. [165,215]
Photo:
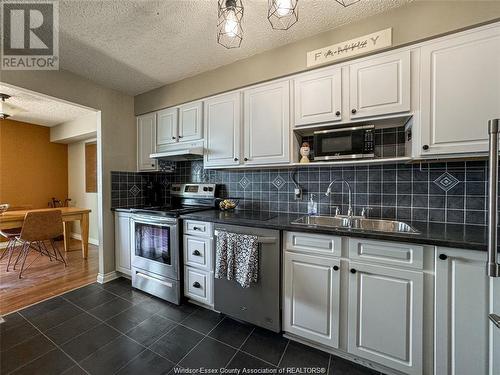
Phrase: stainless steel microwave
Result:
[344,143]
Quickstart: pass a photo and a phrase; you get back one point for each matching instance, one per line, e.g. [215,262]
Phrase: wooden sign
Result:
[349,48]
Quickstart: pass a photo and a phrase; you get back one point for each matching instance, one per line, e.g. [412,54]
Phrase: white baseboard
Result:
[78,236]
[107,277]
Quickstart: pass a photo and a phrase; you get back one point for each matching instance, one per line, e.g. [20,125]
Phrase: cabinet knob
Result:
[152,165]
[353,270]
[443,256]
[337,113]
[425,147]
[196,252]
[246,159]
[235,159]
[180,136]
[197,228]
[353,111]
[173,137]
[196,284]
[335,268]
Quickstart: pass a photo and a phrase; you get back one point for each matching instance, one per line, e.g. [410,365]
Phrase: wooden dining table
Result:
[15,219]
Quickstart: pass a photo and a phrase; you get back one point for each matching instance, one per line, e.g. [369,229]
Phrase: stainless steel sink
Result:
[356,223]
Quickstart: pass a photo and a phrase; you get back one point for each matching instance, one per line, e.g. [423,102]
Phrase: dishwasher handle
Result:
[259,239]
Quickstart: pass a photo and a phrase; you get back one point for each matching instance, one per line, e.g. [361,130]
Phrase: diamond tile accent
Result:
[446,181]
[279,182]
[134,190]
[244,182]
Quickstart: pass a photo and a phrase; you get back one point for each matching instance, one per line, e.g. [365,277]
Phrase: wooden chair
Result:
[40,227]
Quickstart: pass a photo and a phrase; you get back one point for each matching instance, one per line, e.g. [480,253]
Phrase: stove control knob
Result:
[210,189]
[205,188]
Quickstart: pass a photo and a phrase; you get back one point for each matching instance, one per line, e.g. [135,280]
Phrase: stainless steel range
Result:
[155,240]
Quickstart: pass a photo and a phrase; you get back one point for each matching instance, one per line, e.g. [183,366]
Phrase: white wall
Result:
[76,189]
[83,127]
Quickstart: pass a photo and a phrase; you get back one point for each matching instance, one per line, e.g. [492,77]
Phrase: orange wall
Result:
[32,170]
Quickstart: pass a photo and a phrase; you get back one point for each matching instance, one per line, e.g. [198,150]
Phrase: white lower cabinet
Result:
[386,316]
[466,342]
[311,297]
[122,242]
[198,261]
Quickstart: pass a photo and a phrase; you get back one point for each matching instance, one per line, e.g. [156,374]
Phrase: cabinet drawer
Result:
[198,228]
[313,243]
[198,285]
[197,252]
[387,253]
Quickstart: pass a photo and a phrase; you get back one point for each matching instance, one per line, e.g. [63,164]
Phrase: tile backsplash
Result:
[453,192]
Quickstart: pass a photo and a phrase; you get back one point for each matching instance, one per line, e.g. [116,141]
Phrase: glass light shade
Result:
[229,30]
[282,14]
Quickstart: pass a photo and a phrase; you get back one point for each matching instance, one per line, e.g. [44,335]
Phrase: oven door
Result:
[339,144]
[155,245]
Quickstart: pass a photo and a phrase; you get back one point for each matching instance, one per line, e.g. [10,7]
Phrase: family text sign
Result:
[349,48]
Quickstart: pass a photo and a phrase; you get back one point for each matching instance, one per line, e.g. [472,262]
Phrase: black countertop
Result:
[448,235]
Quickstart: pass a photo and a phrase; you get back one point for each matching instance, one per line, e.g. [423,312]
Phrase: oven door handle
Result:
[154,221]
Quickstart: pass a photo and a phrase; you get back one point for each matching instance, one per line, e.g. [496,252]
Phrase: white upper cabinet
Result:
[146,142]
[312,297]
[386,316]
[222,130]
[267,124]
[166,131]
[190,122]
[460,92]
[179,124]
[465,295]
[318,97]
[380,86]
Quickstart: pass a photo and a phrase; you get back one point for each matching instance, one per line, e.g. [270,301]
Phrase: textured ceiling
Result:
[38,109]
[134,46]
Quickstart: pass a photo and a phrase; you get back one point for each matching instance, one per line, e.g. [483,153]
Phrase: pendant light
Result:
[229,30]
[346,3]
[282,14]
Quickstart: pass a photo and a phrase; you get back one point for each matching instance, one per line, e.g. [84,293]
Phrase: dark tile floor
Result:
[114,329]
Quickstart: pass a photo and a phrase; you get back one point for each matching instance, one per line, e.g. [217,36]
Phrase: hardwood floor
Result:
[45,279]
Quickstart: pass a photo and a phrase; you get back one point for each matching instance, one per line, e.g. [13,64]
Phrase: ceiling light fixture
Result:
[282,14]
[4,107]
[346,3]
[229,30]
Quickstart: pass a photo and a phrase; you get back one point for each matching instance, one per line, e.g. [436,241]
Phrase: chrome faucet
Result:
[329,191]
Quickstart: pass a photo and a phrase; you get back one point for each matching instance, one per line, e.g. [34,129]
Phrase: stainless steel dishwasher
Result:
[260,304]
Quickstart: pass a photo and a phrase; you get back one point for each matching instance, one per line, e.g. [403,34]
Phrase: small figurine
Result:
[305,151]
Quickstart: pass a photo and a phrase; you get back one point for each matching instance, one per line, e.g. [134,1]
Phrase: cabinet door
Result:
[386,316]
[460,83]
[311,298]
[122,243]
[380,86]
[166,128]
[222,130]
[267,124]
[318,97]
[190,122]
[146,141]
[463,302]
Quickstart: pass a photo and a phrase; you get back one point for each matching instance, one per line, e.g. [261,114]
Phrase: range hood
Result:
[188,153]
